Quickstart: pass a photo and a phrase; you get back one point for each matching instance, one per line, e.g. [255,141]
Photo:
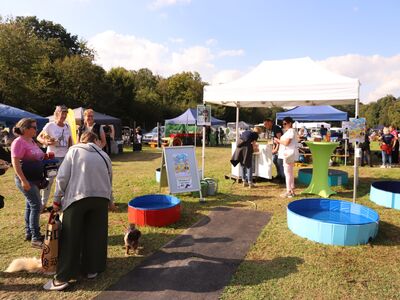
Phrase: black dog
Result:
[131,239]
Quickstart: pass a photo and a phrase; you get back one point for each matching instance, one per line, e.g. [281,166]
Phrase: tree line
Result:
[43,65]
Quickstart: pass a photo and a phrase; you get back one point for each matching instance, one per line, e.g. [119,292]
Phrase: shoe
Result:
[37,244]
[51,285]
[383,166]
[92,275]
[28,237]
[284,195]
[245,183]
[252,185]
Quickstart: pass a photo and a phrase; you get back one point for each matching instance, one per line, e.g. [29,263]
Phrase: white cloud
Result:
[238,52]
[226,76]
[379,75]
[117,50]
[211,42]
[157,4]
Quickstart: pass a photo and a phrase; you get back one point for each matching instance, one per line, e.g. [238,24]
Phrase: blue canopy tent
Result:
[314,113]
[11,115]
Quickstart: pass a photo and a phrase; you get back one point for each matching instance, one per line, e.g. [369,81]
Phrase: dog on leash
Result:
[29,264]
[131,239]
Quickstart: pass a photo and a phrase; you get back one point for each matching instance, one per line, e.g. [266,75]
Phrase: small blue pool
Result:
[332,222]
[386,193]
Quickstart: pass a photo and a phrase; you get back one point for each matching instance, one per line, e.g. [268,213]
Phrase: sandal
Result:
[52,286]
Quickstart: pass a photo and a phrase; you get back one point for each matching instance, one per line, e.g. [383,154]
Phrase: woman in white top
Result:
[57,137]
[288,152]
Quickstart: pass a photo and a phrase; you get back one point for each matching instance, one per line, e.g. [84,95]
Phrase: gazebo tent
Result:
[314,113]
[187,122]
[286,83]
[11,115]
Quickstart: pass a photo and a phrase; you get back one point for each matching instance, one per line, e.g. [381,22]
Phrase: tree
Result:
[60,42]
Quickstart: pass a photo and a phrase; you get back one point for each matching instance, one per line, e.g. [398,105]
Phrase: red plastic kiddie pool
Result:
[154,210]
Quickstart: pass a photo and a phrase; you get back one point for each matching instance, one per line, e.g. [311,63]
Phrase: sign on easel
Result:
[179,170]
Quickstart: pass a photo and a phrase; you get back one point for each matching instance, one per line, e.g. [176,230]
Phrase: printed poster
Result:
[356,130]
[203,115]
[182,171]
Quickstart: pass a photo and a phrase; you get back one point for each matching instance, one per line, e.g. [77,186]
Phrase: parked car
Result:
[152,135]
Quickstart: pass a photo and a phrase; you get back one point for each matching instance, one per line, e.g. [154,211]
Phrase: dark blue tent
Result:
[11,115]
[314,113]
[189,117]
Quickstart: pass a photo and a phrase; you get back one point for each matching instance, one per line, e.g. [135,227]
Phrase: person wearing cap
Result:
[57,137]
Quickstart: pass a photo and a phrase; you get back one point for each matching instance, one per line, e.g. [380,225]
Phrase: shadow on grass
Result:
[136,156]
[388,235]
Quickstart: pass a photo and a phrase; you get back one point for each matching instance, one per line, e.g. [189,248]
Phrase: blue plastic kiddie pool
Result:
[386,193]
[332,222]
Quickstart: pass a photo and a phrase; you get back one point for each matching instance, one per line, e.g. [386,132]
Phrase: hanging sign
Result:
[180,166]
[203,115]
[357,130]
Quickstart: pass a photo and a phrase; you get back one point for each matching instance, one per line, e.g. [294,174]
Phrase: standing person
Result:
[386,145]
[395,149]
[108,134]
[288,152]
[366,149]
[90,125]
[276,133]
[57,137]
[323,131]
[83,193]
[216,137]
[137,139]
[222,136]
[244,154]
[24,150]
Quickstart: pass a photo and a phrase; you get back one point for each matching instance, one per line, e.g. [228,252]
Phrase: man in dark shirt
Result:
[276,131]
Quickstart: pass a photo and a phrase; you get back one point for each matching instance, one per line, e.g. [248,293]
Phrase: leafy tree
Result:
[56,35]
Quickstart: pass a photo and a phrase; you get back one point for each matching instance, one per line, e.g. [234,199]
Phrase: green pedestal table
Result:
[321,153]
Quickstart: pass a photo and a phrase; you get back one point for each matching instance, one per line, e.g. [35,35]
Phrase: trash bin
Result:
[212,186]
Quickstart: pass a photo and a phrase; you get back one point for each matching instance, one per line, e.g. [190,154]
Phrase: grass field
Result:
[279,265]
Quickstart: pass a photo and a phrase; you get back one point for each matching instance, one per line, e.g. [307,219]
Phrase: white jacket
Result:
[82,174]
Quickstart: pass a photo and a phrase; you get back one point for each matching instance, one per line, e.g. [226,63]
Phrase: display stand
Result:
[321,153]
[262,163]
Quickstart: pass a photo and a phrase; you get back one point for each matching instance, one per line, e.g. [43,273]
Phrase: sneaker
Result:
[252,185]
[92,275]
[245,183]
[383,166]
[37,244]
[53,285]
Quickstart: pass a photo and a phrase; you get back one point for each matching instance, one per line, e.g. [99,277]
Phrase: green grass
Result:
[279,265]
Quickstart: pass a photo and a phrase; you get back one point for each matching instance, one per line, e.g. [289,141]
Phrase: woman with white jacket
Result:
[83,192]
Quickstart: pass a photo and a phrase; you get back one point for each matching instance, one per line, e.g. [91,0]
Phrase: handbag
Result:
[289,155]
[50,243]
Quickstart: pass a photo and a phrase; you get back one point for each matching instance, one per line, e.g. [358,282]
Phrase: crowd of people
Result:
[83,190]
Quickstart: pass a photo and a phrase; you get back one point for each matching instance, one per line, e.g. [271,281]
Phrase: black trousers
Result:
[83,242]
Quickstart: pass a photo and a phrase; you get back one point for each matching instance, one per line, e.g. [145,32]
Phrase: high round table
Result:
[321,153]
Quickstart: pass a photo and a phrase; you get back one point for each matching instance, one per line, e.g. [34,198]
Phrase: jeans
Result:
[32,209]
[386,157]
[279,166]
[247,174]
[45,193]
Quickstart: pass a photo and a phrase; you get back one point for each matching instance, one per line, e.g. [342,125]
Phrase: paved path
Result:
[197,264]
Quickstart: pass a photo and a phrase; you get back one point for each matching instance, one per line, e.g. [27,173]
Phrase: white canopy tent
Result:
[286,83]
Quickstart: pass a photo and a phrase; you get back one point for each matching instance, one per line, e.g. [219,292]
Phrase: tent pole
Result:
[355,180]
[237,122]
[203,152]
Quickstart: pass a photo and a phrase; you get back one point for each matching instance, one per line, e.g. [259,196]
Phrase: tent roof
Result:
[285,83]
[11,115]
[98,117]
[190,117]
[314,113]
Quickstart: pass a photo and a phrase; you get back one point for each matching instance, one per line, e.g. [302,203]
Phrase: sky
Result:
[225,39]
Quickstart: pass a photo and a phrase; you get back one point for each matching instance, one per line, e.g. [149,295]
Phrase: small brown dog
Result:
[131,239]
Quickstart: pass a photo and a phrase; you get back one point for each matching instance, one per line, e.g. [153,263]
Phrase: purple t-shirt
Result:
[24,150]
